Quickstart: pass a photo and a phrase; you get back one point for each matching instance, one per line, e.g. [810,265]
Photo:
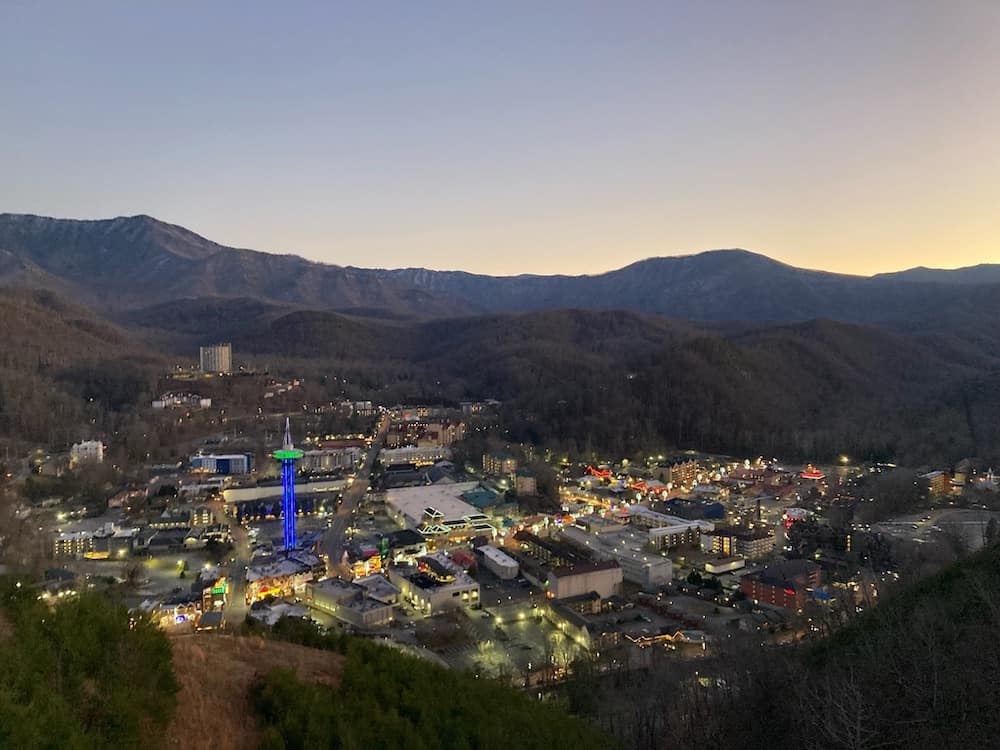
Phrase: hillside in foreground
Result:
[917,670]
[216,674]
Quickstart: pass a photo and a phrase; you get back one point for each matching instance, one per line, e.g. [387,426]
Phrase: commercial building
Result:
[424,434]
[525,483]
[348,602]
[108,542]
[572,620]
[421,456]
[628,548]
[547,553]
[224,464]
[379,588]
[89,451]
[668,532]
[324,460]
[679,473]
[435,584]
[498,562]
[489,500]
[725,565]
[601,576]
[282,576]
[739,541]
[938,483]
[405,546]
[182,401]
[787,584]
[435,509]
[217,358]
[499,463]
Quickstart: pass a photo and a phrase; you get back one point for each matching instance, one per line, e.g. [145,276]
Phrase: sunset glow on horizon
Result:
[516,138]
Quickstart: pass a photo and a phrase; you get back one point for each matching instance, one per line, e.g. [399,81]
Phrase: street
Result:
[334,538]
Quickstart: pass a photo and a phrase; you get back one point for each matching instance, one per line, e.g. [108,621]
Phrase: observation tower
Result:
[288,455]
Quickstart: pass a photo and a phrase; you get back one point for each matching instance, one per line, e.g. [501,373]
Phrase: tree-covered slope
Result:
[83,675]
[387,700]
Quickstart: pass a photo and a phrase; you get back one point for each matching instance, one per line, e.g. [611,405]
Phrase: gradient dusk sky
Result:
[510,137]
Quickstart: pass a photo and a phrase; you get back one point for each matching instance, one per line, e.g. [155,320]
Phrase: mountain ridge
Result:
[127,263]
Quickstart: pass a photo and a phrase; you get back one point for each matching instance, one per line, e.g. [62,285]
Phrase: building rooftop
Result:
[480,497]
[446,499]
[497,555]
[742,532]
[583,568]
[787,573]
[378,586]
[276,567]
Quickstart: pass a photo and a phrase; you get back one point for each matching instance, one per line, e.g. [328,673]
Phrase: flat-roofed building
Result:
[525,483]
[216,358]
[667,532]
[349,602]
[678,473]
[500,463]
[739,541]
[89,451]
[330,459]
[73,544]
[603,576]
[430,505]
[379,587]
[628,548]
[435,584]
[498,562]
[785,584]
[412,454]
[280,576]
[218,463]
[938,483]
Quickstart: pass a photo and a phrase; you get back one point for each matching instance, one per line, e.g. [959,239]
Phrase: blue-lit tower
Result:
[288,455]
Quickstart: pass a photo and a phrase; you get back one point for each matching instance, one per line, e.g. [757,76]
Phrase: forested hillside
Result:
[83,675]
[916,671]
[576,381]
[61,366]
[386,699]
[586,381]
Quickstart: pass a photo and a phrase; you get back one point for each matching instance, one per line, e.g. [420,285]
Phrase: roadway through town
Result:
[334,539]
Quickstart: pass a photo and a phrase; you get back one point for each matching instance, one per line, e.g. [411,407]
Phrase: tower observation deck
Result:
[288,455]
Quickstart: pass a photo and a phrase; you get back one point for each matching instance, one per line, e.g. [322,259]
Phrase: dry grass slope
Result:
[215,673]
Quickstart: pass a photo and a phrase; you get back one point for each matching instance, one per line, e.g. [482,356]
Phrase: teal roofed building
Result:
[487,500]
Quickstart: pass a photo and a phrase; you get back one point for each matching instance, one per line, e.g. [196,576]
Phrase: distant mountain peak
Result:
[135,261]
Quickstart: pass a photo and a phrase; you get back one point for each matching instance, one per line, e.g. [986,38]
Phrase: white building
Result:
[431,505]
[628,547]
[668,531]
[499,562]
[89,451]
[217,358]
[436,585]
[227,463]
[331,459]
[349,602]
[413,455]
[604,577]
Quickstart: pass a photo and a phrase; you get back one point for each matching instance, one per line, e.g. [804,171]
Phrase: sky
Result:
[517,137]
